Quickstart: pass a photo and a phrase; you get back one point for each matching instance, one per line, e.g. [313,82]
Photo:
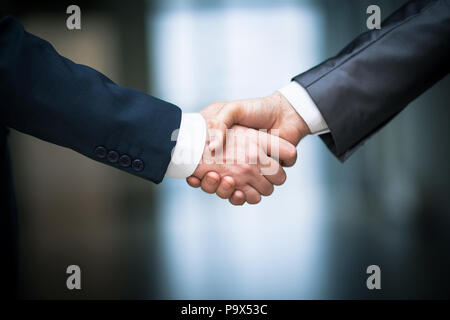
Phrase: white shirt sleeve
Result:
[188,151]
[299,98]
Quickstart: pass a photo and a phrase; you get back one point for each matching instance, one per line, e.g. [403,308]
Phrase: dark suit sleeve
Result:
[380,72]
[52,98]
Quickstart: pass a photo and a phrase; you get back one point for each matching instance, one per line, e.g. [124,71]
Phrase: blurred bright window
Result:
[276,249]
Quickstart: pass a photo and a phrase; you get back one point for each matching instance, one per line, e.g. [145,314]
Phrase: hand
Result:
[272,112]
[245,164]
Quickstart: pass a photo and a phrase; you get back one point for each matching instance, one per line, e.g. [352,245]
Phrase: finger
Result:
[210,113]
[212,109]
[251,194]
[278,148]
[228,115]
[210,182]
[216,134]
[287,154]
[226,187]
[237,198]
[194,182]
[273,172]
[262,185]
[259,113]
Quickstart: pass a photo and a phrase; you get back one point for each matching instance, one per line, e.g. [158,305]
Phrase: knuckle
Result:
[231,184]
[207,190]
[240,197]
[192,183]
[246,169]
[254,199]
[269,190]
[292,154]
[222,195]
[282,178]
[237,200]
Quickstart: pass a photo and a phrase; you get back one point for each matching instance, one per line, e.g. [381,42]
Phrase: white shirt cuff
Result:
[299,98]
[188,151]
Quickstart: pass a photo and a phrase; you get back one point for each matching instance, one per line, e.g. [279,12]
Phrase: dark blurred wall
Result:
[390,199]
[73,210]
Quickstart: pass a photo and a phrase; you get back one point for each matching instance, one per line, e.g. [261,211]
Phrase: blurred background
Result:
[312,239]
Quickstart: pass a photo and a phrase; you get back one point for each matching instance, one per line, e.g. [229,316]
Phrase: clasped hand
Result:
[249,143]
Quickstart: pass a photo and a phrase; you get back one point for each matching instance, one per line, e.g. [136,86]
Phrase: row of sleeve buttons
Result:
[124,160]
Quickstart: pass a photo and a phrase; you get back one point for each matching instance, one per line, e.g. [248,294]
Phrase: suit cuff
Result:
[299,98]
[188,151]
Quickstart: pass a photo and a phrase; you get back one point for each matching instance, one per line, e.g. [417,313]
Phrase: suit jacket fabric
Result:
[380,72]
[52,98]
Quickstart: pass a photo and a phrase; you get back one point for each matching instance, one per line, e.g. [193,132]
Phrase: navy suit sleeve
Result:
[379,73]
[52,98]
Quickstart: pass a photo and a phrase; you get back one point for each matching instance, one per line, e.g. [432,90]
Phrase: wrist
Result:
[287,111]
[300,100]
[189,148]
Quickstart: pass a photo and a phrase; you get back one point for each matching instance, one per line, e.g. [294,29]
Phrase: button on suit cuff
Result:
[299,98]
[188,150]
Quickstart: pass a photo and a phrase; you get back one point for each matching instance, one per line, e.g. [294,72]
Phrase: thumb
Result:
[216,134]
[223,120]
[229,114]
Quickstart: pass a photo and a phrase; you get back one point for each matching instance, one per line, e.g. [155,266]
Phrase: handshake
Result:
[248,143]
